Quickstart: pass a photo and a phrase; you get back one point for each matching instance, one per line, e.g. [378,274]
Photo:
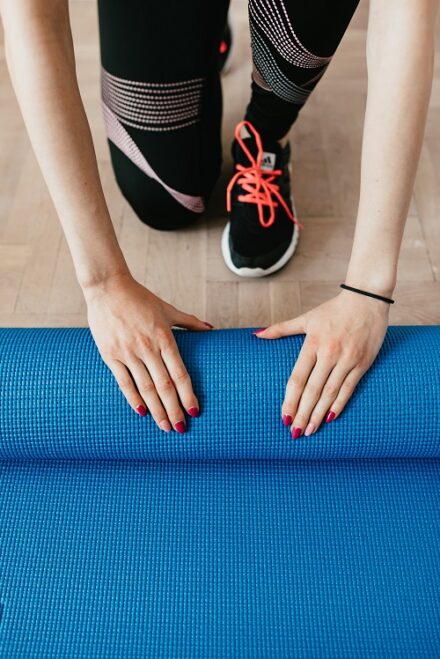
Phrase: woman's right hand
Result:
[132,330]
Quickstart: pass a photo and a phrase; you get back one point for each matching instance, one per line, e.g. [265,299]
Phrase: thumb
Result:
[189,321]
[284,328]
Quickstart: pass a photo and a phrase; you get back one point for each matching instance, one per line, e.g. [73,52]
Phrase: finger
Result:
[189,321]
[329,394]
[180,376]
[327,379]
[297,381]
[148,392]
[345,392]
[166,390]
[284,328]
[127,386]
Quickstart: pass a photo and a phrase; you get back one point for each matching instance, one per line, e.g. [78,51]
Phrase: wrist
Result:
[366,298]
[103,283]
[371,282]
[373,267]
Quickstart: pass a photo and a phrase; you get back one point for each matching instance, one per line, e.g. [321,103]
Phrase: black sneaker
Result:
[225,49]
[262,232]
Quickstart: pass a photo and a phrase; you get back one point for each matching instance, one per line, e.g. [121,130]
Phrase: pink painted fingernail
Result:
[260,330]
[180,426]
[330,416]
[310,428]
[208,325]
[193,411]
[165,425]
[287,419]
[141,410]
[296,432]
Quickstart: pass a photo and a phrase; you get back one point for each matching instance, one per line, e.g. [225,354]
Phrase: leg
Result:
[292,45]
[162,103]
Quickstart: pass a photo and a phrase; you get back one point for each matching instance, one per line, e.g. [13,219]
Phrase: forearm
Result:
[400,54]
[40,59]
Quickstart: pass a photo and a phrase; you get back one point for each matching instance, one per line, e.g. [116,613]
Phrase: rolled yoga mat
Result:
[231,540]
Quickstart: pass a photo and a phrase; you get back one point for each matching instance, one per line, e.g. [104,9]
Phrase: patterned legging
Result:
[162,96]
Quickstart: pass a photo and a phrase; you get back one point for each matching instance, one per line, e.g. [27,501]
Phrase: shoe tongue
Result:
[271,151]
[268,160]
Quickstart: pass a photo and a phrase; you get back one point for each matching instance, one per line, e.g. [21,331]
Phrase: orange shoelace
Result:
[257,182]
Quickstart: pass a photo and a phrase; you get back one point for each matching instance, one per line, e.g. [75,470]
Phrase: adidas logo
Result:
[268,161]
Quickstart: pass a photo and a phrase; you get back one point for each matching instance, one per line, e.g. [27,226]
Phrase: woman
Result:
[162,105]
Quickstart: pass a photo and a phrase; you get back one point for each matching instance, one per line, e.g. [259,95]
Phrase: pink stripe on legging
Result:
[117,134]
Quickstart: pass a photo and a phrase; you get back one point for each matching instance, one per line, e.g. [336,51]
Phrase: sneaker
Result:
[225,49]
[262,232]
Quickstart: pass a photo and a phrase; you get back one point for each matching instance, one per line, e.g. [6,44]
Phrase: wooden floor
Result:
[37,281]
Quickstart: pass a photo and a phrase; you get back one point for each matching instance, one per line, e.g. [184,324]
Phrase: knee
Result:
[156,204]
[157,210]
[158,216]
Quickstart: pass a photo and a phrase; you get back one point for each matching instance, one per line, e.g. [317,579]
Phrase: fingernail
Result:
[330,416]
[296,432]
[260,330]
[287,419]
[193,411]
[165,425]
[180,426]
[141,410]
[310,428]
[208,325]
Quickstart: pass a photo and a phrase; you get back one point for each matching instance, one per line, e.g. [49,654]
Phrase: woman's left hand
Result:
[343,338]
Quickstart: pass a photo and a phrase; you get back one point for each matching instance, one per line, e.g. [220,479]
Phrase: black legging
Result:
[162,95]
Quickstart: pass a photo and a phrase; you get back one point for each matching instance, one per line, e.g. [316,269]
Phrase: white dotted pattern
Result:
[274,21]
[272,74]
[153,106]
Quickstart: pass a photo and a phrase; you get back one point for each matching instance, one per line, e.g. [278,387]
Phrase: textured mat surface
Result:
[232,541]
[61,401]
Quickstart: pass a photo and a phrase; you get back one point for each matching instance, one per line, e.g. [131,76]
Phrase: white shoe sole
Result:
[260,272]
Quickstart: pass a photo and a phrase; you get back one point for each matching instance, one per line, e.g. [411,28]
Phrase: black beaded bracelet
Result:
[358,290]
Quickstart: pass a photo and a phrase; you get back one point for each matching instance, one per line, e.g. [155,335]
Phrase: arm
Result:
[344,335]
[131,326]
[400,60]
[40,58]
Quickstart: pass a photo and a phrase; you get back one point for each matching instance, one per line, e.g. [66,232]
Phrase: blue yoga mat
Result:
[59,400]
[232,540]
